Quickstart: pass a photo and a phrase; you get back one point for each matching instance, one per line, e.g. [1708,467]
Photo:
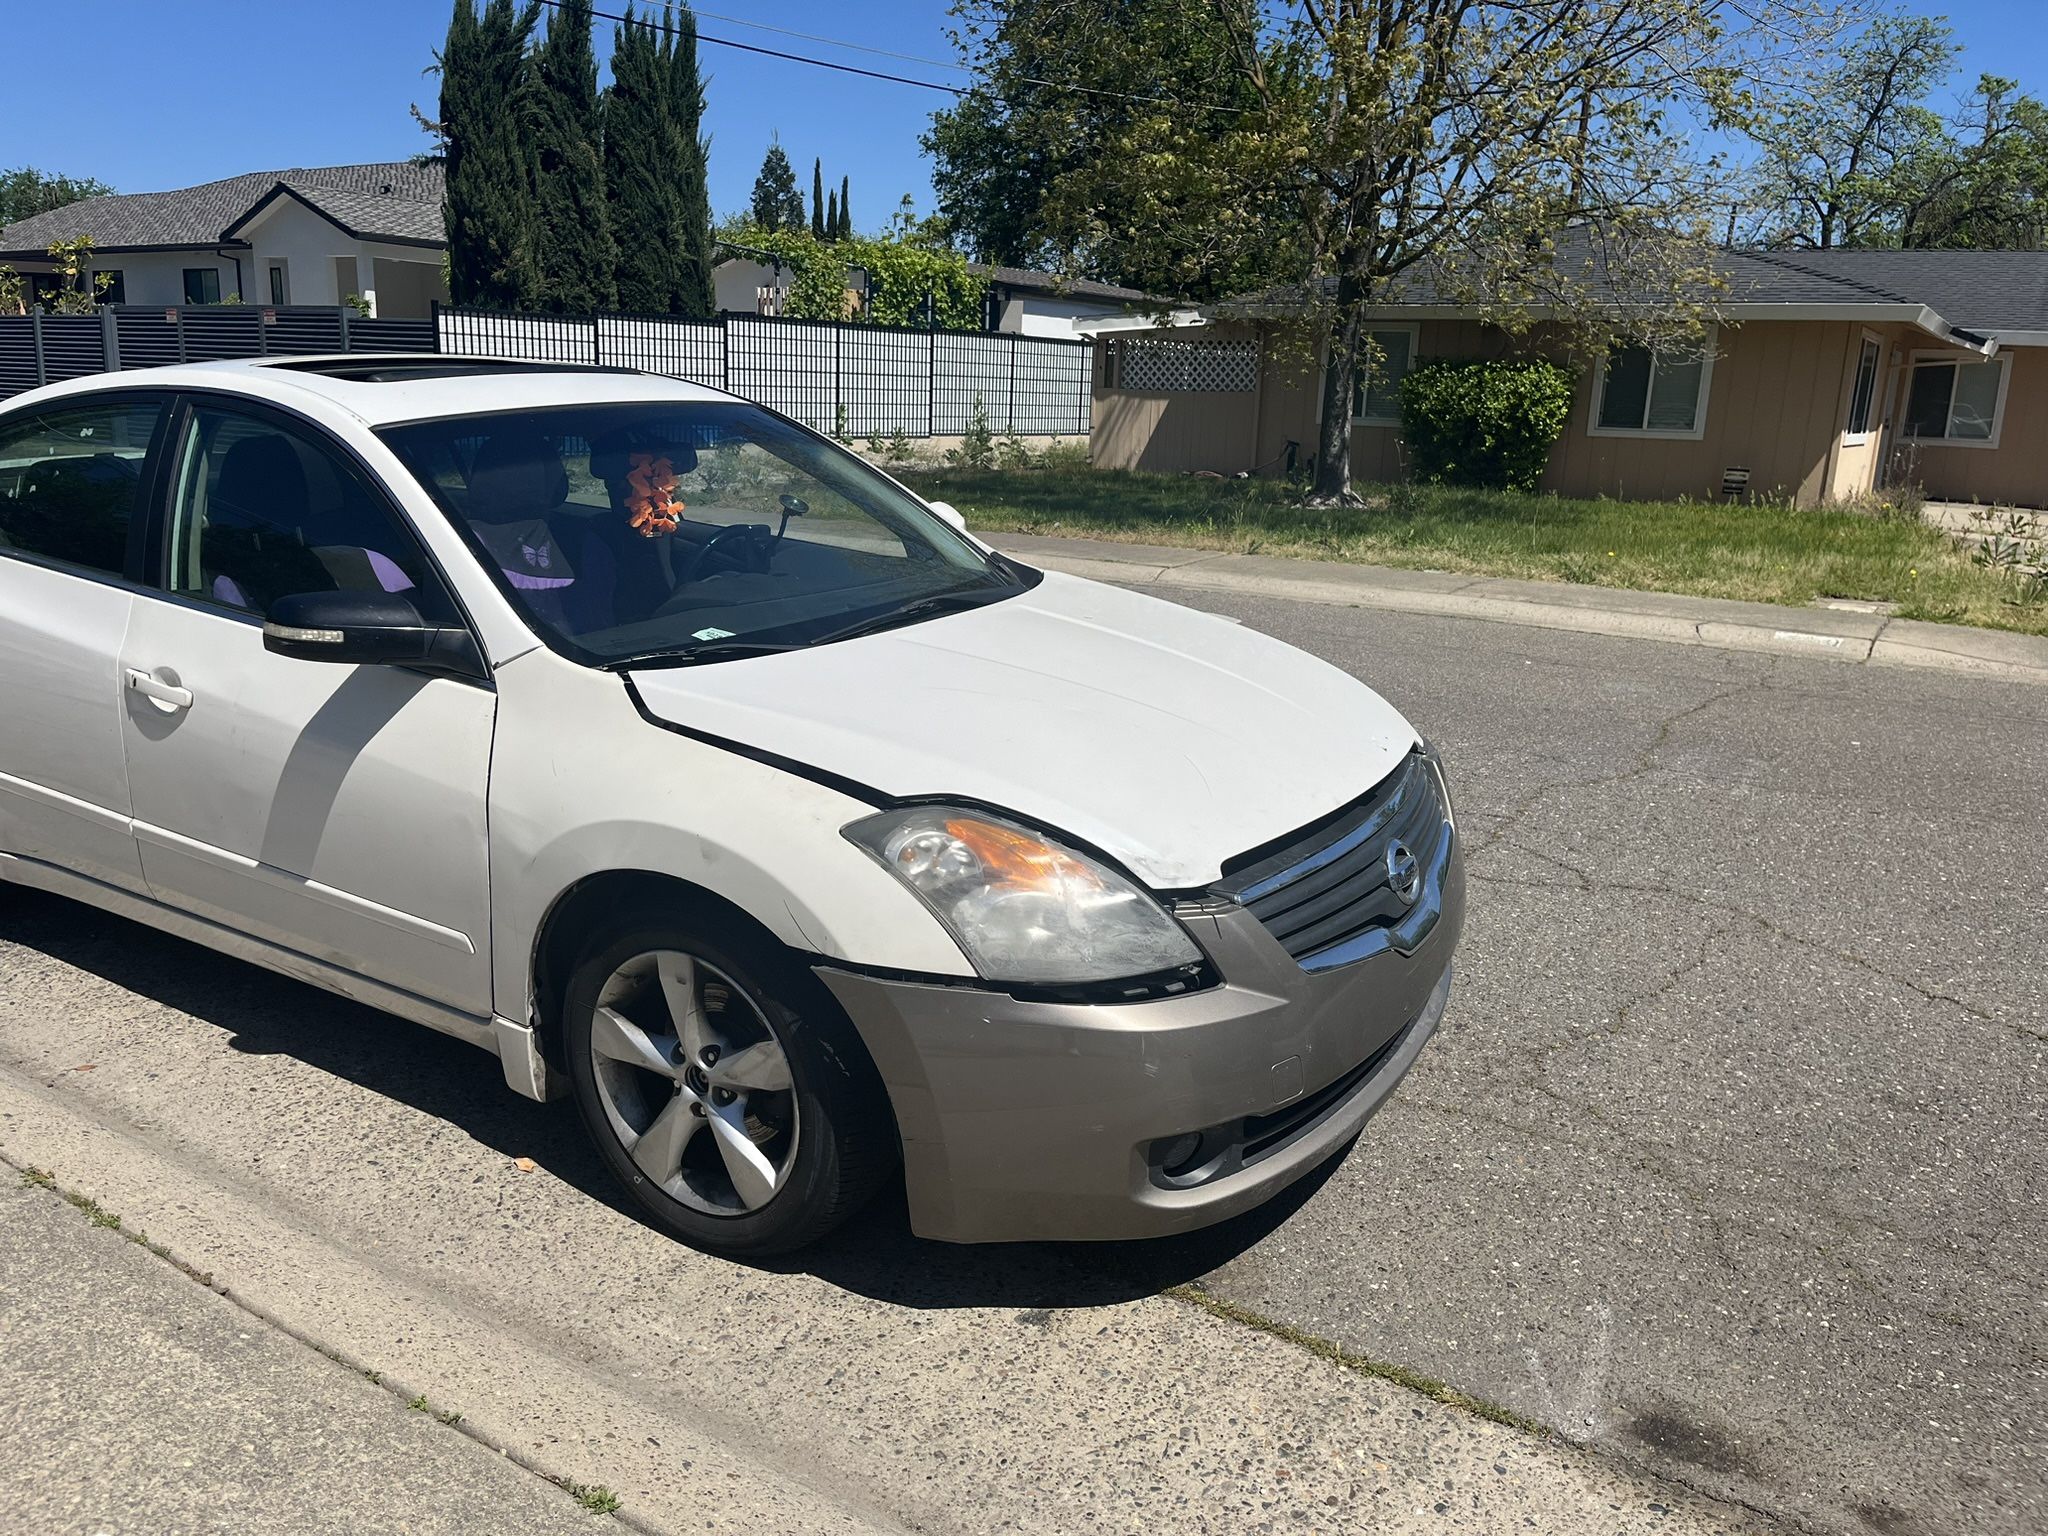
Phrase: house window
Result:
[1864,394]
[279,291]
[1376,393]
[1949,399]
[202,285]
[112,288]
[1659,394]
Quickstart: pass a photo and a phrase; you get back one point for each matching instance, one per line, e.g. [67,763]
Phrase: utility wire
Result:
[895,79]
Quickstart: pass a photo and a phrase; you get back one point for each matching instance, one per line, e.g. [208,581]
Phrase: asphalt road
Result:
[1728,1163]
[1730,1157]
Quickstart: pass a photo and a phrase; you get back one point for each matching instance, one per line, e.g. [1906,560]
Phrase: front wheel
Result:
[723,1088]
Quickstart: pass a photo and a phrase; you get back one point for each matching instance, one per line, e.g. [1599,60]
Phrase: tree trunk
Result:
[1340,368]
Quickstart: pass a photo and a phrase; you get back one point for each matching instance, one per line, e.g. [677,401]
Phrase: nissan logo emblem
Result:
[1404,873]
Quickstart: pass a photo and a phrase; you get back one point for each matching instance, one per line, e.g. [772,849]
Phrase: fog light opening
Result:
[1180,1155]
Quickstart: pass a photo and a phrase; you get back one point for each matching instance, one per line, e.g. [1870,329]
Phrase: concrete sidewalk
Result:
[134,1400]
[1857,633]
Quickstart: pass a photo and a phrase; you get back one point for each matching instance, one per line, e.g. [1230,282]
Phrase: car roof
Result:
[384,388]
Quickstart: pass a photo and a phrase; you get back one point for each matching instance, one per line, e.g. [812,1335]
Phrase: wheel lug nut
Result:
[722,1096]
[697,1110]
[709,1055]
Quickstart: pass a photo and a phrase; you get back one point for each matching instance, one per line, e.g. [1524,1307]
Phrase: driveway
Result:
[1727,1164]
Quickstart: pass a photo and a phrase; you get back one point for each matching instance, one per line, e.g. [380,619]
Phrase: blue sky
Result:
[163,98]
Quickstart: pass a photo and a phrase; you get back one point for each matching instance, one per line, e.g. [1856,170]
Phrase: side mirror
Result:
[950,513]
[367,629]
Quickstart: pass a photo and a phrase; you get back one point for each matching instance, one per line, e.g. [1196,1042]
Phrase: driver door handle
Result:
[166,695]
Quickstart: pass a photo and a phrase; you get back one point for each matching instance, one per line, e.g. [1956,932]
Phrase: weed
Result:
[1364,1365]
[596,1498]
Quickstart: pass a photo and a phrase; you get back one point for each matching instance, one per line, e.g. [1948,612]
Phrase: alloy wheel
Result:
[694,1082]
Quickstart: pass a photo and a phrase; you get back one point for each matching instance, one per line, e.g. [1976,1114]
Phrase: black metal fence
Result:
[856,380]
[42,349]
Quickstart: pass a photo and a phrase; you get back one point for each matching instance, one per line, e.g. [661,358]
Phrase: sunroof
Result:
[389,370]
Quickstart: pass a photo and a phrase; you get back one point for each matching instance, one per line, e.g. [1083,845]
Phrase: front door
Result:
[336,810]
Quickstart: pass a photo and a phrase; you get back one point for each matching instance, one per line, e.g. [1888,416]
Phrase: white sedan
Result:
[706,775]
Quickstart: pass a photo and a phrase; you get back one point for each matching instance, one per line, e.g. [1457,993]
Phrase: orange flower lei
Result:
[651,499]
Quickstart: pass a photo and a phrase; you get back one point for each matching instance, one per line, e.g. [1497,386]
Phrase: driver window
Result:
[264,511]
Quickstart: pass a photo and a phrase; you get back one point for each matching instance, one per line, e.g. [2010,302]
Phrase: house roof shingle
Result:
[1974,291]
[393,200]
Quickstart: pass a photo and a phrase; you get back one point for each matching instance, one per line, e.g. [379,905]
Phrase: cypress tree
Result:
[845,212]
[490,204]
[690,291]
[640,170]
[575,253]
[819,228]
[777,203]
[831,220]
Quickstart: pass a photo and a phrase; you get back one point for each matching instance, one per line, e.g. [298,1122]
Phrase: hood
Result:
[1171,739]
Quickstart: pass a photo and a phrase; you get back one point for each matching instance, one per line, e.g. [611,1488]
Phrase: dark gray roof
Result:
[1052,282]
[397,200]
[1973,291]
[1977,290]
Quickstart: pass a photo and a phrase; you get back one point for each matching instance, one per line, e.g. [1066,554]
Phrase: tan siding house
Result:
[1820,385]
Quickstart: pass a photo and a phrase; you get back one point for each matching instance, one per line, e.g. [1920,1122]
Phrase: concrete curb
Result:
[1837,634]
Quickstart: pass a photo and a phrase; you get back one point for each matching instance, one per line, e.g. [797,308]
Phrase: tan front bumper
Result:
[1026,1120]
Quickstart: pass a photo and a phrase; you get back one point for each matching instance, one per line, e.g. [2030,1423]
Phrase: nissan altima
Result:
[708,777]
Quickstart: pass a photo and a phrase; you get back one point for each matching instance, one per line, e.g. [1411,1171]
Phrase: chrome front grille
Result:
[1367,881]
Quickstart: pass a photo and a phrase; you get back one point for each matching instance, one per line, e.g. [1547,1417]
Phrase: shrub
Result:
[977,448]
[1488,424]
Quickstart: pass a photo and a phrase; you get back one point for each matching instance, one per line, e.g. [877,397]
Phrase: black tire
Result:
[847,1144]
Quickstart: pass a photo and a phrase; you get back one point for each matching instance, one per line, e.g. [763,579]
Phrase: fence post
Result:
[35,316]
[725,351]
[596,340]
[839,410]
[931,383]
[110,341]
[1011,425]
[343,311]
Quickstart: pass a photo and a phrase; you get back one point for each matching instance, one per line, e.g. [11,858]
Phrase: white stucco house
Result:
[305,236]
[1020,301]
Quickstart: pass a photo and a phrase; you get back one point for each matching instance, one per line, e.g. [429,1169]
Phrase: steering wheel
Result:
[753,545]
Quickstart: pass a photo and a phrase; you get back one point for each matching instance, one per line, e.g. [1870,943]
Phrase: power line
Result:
[959,91]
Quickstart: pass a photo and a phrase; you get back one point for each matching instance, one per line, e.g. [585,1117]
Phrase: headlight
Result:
[1024,908]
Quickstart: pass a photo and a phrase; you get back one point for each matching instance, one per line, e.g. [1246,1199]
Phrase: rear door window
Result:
[73,479]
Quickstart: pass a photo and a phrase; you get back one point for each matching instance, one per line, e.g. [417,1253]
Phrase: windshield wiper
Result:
[733,650]
[910,613]
[710,650]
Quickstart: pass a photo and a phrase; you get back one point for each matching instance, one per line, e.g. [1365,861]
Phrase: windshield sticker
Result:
[712,634]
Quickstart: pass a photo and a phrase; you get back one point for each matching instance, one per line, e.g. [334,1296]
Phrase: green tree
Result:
[654,168]
[1063,83]
[1534,161]
[1986,186]
[820,230]
[574,251]
[487,144]
[26,191]
[691,291]
[845,211]
[777,204]
[1833,157]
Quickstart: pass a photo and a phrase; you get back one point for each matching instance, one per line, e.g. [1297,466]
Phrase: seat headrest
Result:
[611,458]
[262,479]
[516,477]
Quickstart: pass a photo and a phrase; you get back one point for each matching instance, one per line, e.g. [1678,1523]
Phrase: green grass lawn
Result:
[1758,552]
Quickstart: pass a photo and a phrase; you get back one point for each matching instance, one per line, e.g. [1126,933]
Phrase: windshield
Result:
[678,531]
